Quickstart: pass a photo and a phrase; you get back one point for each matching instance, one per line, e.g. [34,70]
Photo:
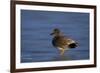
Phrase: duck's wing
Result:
[61,41]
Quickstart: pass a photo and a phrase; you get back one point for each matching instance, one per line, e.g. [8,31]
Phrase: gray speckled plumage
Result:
[62,42]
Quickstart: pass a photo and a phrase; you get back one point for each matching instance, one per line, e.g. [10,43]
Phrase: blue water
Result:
[36,27]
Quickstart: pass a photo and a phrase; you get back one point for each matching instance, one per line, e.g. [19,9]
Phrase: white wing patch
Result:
[63,48]
[60,48]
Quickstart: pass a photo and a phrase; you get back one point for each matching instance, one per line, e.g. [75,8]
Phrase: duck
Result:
[62,42]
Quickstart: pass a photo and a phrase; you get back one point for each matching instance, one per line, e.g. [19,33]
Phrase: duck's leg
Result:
[62,52]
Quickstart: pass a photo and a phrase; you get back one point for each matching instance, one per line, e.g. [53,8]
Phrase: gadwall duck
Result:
[62,42]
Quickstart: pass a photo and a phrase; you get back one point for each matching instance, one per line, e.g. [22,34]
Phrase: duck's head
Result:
[55,32]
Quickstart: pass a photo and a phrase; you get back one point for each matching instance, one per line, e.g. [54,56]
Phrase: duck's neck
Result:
[58,34]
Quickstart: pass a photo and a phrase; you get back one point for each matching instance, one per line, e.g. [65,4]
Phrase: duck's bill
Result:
[51,33]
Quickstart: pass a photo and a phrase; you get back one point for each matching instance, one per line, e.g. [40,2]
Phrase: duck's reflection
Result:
[61,58]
